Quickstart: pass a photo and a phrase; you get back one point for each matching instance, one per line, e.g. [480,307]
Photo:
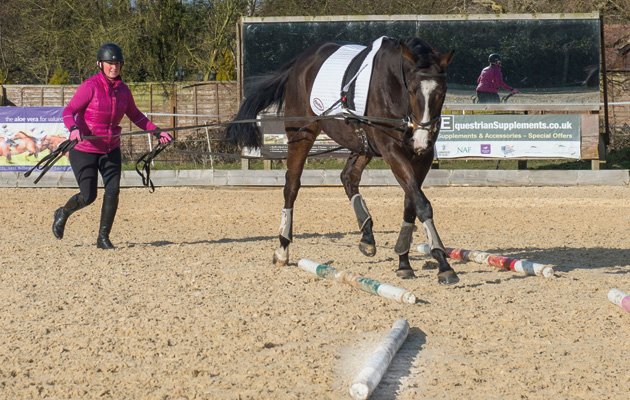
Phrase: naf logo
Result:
[447,123]
[463,149]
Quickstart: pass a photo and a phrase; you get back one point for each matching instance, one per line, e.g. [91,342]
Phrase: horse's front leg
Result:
[410,174]
[300,142]
[446,274]
[423,210]
[351,177]
[405,236]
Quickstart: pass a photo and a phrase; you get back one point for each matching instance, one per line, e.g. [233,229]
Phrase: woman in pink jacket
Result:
[93,116]
[491,80]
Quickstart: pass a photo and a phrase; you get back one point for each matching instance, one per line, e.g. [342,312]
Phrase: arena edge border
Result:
[371,177]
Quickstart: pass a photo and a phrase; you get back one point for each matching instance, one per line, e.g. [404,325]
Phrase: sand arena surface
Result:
[189,306]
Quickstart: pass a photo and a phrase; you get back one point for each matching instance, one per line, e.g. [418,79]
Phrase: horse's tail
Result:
[266,91]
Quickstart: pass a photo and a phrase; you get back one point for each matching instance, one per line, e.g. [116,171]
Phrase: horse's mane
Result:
[424,54]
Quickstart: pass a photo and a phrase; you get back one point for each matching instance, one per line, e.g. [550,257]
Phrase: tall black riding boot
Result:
[108,213]
[61,214]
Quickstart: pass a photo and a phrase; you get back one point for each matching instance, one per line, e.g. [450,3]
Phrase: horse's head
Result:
[424,75]
[44,142]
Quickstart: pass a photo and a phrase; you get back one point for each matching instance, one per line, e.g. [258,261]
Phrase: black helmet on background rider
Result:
[494,57]
[110,52]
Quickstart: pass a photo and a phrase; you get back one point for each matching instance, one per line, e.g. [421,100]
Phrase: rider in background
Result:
[491,80]
[92,117]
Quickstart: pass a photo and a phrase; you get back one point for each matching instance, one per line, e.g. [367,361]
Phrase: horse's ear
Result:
[446,58]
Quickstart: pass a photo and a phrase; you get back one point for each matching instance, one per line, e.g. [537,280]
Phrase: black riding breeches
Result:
[86,167]
[485,97]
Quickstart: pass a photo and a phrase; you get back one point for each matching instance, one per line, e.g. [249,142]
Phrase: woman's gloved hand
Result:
[75,133]
[163,137]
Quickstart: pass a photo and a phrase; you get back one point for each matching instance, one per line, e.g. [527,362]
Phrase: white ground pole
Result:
[366,284]
[480,257]
[370,375]
[619,298]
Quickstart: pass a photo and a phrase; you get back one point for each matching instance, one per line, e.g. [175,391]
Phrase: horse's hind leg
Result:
[297,152]
[351,177]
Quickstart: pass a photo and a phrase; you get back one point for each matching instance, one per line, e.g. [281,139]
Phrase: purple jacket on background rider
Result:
[491,79]
[97,108]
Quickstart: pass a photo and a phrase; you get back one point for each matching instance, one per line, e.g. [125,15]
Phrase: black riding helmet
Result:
[494,57]
[110,52]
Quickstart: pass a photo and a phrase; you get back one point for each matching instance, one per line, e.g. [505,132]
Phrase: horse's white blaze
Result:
[422,135]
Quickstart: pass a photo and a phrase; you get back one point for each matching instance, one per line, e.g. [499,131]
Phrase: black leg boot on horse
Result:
[402,247]
[61,215]
[108,213]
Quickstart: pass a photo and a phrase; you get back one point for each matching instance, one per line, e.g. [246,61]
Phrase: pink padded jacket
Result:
[97,108]
[491,79]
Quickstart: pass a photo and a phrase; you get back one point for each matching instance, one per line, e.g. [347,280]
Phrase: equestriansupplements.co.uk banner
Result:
[473,136]
[509,136]
[29,133]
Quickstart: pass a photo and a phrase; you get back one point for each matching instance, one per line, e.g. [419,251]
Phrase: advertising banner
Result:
[275,147]
[275,141]
[509,136]
[29,133]
[470,136]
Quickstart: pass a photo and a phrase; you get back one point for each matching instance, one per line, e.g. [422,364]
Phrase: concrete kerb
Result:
[371,177]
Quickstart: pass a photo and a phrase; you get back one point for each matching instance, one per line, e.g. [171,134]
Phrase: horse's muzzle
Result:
[422,151]
[421,141]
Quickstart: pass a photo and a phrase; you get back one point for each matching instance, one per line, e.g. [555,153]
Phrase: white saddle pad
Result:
[329,80]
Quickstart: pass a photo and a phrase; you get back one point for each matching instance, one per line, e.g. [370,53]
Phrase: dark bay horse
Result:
[401,124]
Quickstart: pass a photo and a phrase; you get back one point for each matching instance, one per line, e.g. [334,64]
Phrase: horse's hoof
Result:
[447,278]
[405,273]
[278,261]
[367,249]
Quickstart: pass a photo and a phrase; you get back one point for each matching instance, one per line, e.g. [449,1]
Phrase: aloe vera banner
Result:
[29,133]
